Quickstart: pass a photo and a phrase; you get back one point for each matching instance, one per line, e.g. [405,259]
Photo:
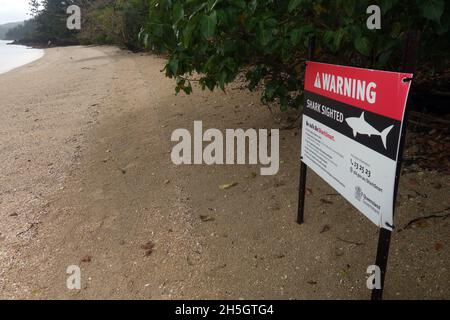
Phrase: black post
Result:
[384,238]
[384,241]
[301,193]
[303,167]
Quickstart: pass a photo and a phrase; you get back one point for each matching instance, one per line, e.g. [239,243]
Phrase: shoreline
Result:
[42,45]
[26,57]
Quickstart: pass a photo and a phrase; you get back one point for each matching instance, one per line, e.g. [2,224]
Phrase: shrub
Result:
[218,39]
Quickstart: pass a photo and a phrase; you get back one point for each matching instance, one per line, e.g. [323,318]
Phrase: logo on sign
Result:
[358,193]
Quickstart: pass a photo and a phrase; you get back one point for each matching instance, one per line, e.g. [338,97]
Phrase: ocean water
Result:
[12,56]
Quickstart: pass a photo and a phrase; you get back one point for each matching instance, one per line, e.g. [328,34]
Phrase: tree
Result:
[51,21]
[268,39]
[34,7]
[24,31]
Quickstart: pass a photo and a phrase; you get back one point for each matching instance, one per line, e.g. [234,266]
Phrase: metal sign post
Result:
[303,166]
[384,238]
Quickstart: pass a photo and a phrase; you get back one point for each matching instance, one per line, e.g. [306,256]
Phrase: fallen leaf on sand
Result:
[148,247]
[438,246]
[325,201]
[437,186]
[251,175]
[343,274]
[351,242]
[86,259]
[422,223]
[206,218]
[308,192]
[279,183]
[275,207]
[228,186]
[325,228]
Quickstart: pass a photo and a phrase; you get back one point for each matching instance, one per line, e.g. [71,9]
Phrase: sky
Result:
[13,10]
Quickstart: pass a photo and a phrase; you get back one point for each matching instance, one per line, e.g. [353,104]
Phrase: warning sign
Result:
[352,121]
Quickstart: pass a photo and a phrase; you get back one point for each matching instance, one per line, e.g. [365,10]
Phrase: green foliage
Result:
[51,22]
[103,22]
[114,22]
[134,15]
[218,39]
[16,30]
[102,25]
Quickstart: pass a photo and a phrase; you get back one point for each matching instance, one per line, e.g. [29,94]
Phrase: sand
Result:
[86,179]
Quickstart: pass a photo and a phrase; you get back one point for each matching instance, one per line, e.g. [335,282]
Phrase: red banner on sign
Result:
[380,92]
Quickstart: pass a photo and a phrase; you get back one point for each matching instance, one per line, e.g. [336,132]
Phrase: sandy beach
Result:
[86,179]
